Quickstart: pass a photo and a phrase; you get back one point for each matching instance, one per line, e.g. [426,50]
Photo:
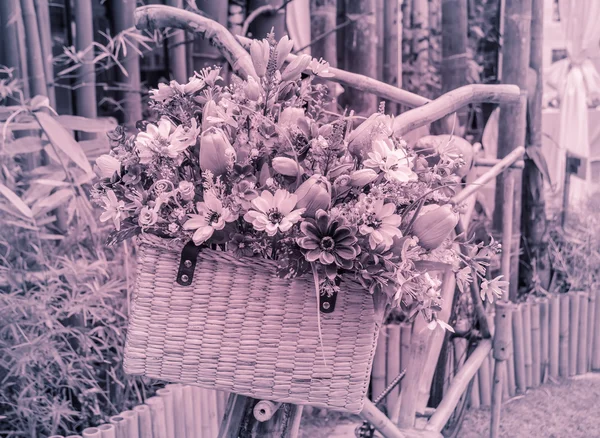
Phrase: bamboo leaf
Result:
[53,201]
[16,201]
[62,140]
[24,145]
[78,123]
[21,224]
[47,236]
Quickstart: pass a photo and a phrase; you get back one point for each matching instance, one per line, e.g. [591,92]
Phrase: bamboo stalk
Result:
[510,368]
[544,338]
[43,18]
[157,411]
[563,343]
[120,425]
[176,50]
[92,432]
[536,347]
[36,76]
[485,379]
[191,428]
[583,334]
[474,400]
[393,362]
[221,404]
[167,397]
[573,332]
[519,349]
[131,423]
[590,327]
[379,364]
[12,25]
[501,351]
[144,420]
[200,406]
[379,421]
[178,411]
[108,431]
[526,311]
[458,387]
[211,411]
[596,347]
[499,376]
[405,335]
[554,329]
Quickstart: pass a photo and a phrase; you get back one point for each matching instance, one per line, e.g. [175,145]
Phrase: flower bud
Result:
[209,115]
[186,190]
[290,116]
[252,89]
[284,47]
[107,166]
[216,153]
[287,166]
[259,52]
[362,177]
[361,138]
[434,226]
[297,66]
[147,217]
[314,194]
[341,169]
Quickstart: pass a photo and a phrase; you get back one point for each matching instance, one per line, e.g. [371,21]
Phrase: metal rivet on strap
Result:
[185,278]
[187,263]
[326,305]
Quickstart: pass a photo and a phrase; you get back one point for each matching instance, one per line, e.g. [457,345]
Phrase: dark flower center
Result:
[275,216]
[373,222]
[212,217]
[327,244]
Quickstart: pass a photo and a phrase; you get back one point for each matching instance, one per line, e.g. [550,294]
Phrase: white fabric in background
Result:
[576,80]
[297,20]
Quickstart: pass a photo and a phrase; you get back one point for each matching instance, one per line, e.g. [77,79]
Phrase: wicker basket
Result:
[239,327]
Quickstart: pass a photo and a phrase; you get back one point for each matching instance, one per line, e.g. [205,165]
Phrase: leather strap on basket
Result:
[187,263]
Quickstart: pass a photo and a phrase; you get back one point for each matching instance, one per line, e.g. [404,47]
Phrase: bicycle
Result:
[449,398]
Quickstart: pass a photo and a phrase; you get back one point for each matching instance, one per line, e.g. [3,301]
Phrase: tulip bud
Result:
[359,140]
[209,114]
[284,47]
[290,116]
[340,170]
[362,177]
[252,89]
[314,194]
[297,66]
[434,226]
[259,52]
[287,166]
[107,166]
[216,153]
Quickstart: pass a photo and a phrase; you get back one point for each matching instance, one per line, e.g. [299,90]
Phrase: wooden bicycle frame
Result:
[426,111]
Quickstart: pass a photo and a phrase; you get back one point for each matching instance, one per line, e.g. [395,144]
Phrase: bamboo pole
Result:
[554,329]
[501,351]
[221,404]
[131,423]
[379,363]
[191,428]
[36,76]
[211,412]
[132,100]
[590,327]
[474,399]
[157,411]
[120,425]
[108,431]
[167,396]
[393,362]
[85,84]
[178,410]
[582,346]
[199,402]
[92,432]
[380,421]
[519,349]
[596,347]
[510,367]
[144,420]
[176,50]
[544,338]
[458,387]
[392,55]
[536,347]
[43,18]
[11,21]
[485,379]
[563,342]
[573,332]
[526,311]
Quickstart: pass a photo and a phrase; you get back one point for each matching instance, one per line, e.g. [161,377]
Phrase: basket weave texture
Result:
[241,328]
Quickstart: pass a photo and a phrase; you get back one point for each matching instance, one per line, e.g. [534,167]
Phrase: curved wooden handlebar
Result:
[158,16]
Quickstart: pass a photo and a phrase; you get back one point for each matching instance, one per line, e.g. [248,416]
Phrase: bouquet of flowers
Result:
[260,168]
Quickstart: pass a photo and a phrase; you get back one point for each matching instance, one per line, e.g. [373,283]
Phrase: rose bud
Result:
[107,166]
[434,226]
[287,166]
[314,194]
[259,52]
[187,190]
[297,66]
[216,153]
[284,47]
[252,89]
[362,177]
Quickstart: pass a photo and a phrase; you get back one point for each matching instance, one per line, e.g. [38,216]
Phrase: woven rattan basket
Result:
[239,327]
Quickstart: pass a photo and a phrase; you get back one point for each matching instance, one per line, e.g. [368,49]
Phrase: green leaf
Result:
[62,140]
[24,145]
[53,201]
[78,123]
[16,201]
